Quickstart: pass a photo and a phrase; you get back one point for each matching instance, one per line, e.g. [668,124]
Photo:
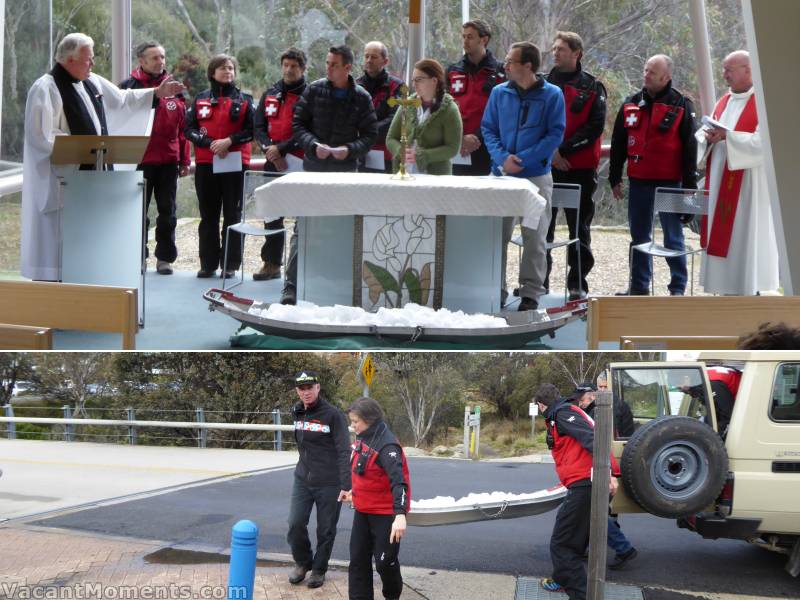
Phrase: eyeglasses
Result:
[420,79]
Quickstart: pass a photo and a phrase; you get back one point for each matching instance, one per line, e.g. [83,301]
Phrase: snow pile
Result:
[411,315]
[473,499]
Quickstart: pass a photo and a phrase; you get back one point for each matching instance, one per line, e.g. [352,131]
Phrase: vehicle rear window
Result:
[785,402]
[655,392]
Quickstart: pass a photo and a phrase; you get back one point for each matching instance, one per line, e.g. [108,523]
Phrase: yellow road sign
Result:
[367,369]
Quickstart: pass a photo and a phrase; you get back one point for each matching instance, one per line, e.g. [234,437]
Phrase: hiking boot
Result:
[298,574]
[289,296]
[633,292]
[528,304]
[316,580]
[267,271]
[577,294]
[206,273]
[228,274]
[163,267]
[621,559]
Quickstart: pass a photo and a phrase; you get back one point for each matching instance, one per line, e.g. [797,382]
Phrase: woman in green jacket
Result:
[434,129]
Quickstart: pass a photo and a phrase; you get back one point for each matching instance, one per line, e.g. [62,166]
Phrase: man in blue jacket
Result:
[522,126]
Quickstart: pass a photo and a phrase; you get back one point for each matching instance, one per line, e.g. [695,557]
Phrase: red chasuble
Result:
[729,187]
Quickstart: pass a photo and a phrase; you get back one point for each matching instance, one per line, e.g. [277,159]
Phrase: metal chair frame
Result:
[252,181]
[565,195]
[674,201]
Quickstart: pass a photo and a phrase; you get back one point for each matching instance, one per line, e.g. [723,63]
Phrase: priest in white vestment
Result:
[739,233]
[69,100]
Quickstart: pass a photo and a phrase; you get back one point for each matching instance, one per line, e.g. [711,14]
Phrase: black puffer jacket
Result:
[320,117]
[323,441]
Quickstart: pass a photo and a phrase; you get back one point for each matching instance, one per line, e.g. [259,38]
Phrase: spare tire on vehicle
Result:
[674,466]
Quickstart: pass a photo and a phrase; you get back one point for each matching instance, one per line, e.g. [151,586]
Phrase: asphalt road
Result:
[668,556]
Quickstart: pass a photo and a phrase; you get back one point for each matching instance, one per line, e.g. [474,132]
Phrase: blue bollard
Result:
[244,542]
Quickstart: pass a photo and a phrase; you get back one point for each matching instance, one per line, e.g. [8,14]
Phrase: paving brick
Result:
[32,556]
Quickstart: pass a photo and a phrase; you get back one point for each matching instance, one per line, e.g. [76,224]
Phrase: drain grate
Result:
[528,588]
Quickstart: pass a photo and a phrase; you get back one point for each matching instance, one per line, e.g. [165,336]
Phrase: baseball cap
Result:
[582,388]
[306,378]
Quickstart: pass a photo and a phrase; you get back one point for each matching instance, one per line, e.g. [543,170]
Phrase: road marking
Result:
[29,461]
[707,595]
[139,495]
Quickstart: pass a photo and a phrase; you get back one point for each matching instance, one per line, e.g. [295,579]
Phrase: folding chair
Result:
[565,195]
[252,181]
[676,201]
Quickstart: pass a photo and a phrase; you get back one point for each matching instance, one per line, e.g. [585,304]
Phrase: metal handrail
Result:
[163,424]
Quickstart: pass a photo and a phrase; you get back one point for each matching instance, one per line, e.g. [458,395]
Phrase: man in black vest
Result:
[577,157]
[273,132]
[470,81]
[654,133]
[381,86]
[168,154]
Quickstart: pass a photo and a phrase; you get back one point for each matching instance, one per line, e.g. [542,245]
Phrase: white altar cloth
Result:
[305,194]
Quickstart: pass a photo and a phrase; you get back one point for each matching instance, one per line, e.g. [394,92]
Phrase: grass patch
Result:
[513,438]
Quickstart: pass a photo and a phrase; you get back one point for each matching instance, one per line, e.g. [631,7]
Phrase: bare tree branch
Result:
[190,24]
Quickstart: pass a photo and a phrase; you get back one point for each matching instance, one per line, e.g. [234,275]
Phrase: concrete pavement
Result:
[32,557]
[38,563]
[44,476]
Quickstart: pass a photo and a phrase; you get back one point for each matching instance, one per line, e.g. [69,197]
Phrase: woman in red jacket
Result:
[220,122]
[381,496]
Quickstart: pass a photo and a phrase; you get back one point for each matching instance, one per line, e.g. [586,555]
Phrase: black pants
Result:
[219,192]
[587,179]
[304,498]
[272,249]
[570,539]
[481,163]
[163,181]
[370,538]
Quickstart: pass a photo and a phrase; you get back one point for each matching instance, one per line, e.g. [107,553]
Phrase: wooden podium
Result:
[103,214]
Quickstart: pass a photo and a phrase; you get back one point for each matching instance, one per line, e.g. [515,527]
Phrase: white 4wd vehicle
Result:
[743,483]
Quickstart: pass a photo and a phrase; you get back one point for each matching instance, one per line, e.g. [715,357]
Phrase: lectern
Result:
[103,214]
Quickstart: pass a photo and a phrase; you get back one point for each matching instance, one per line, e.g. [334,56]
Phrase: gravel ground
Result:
[609,244]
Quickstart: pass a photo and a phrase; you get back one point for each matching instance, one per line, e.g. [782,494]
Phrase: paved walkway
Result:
[45,563]
[88,566]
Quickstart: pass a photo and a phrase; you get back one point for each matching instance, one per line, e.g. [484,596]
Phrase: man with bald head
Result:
[654,132]
[738,234]
[381,86]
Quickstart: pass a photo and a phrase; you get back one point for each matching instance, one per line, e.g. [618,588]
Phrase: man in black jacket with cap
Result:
[321,478]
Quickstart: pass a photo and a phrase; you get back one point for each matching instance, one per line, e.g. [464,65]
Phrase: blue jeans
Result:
[640,220]
[616,539]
